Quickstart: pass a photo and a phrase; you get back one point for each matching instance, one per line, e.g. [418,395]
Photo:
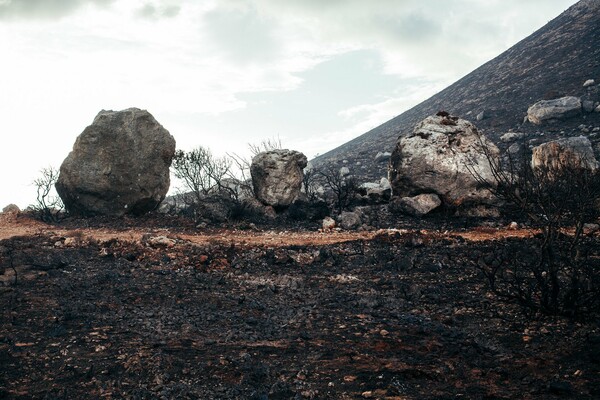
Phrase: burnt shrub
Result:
[558,271]
[48,206]
[566,284]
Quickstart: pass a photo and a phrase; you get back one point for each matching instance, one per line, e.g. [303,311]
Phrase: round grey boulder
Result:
[119,165]
[277,176]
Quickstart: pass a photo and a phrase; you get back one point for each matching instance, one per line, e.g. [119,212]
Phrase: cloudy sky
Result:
[225,73]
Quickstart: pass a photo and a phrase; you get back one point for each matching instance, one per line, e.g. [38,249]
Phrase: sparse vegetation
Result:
[48,206]
[340,188]
[563,275]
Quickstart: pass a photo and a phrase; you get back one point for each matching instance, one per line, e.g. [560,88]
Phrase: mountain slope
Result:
[553,61]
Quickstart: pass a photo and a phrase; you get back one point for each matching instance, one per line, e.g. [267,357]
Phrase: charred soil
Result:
[116,311]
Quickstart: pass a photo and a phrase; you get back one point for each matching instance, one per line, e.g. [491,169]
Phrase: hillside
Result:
[554,61]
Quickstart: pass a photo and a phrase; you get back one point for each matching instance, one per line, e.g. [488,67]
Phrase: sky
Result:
[225,73]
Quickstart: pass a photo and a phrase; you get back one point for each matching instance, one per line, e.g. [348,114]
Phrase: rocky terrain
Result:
[555,61]
[152,307]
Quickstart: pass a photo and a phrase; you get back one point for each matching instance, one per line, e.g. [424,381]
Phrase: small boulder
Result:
[344,171]
[590,228]
[512,136]
[119,165]
[546,110]
[573,152]
[588,106]
[382,157]
[589,82]
[328,224]
[514,148]
[350,220]
[11,209]
[419,205]
[277,176]
[441,156]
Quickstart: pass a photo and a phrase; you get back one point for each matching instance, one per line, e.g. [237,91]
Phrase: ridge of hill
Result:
[552,62]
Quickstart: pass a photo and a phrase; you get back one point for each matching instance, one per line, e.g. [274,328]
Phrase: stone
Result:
[11,209]
[573,152]
[379,194]
[590,228]
[382,157]
[161,241]
[349,220]
[344,171]
[119,165]
[384,183]
[546,110]
[440,157]
[419,205]
[514,148]
[589,82]
[368,185]
[481,116]
[597,109]
[512,136]
[588,106]
[277,176]
[328,224]
[256,207]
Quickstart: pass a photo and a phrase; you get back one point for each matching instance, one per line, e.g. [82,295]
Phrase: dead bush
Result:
[558,273]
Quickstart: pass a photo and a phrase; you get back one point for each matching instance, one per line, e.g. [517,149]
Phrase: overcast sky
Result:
[225,73]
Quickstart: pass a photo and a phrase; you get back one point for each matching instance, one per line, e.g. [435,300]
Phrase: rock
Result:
[512,136]
[597,109]
[382,157]
[589,82]
[514,148]
[328,224]
[349,220]
[376,191]
[379,194]
[254,206]
[562,108]
[573,152]
[513,226]
[11,209]
[160,241]
[419,205]
[588,106]
[588,229]
[439,157]
[344,171]
[481,116]
[384,183]
[368,185]
[277,176]
[119,165]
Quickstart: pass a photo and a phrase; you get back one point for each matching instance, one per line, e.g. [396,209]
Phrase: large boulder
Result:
[443,155]
[556,109]
[417,205]
[277,176]
[573,152]
[119,165]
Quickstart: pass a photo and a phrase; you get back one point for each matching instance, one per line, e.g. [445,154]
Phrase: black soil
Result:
[401,316]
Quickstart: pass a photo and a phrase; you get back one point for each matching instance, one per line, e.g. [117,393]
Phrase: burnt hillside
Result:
[555,60]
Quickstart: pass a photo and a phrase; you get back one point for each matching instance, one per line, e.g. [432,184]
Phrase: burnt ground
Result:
[110,312]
